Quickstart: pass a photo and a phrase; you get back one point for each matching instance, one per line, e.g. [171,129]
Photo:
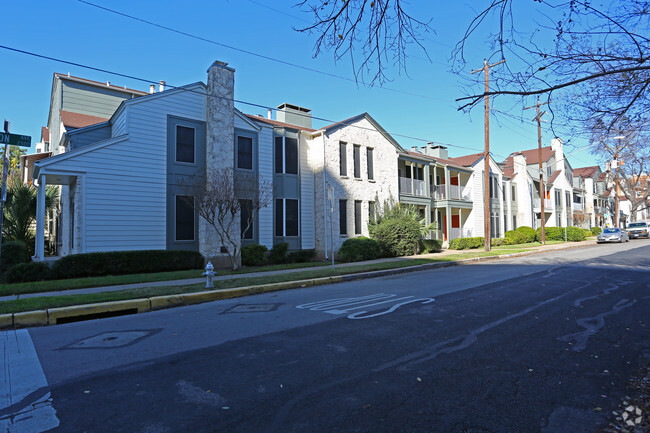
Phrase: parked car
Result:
[638,230]
[613,234]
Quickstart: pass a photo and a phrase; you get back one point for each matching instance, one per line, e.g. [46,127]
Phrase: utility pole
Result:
[542,186]
[486,154]
[616,164]
[3,198]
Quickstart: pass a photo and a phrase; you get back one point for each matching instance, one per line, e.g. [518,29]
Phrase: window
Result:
[356,155]
[371,211]
[184,218]
[286,155]
[513,192]
[494,187]
[514,222]
[343,218]
[371,163]
[244,152]
[286,217]
[494,225]
[343,159]
[357,217]
[246,213]
[567,199]
[558,198]
[184,144]
[548,171]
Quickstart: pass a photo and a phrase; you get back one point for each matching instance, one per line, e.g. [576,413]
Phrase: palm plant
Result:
[20,209]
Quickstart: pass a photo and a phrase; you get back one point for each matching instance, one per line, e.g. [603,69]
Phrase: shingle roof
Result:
[554,176]
[602,176]
[468,160]
[508,168]
[279,124]
[77,120]
[585,171]
[98,83]
[532,155]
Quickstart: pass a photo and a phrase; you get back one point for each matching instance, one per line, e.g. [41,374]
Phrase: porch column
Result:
[39,247]
[448,221]
[447,183]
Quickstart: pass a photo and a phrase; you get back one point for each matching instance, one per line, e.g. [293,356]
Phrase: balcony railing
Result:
[547,203]
[411,186]
[577,207]
[438,192]
[460,233]
[457,192]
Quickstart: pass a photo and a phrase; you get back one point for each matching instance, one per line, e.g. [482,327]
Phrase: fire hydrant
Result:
[209,274]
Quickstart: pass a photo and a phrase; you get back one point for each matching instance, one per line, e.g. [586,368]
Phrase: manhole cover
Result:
[112,340]
[252,308]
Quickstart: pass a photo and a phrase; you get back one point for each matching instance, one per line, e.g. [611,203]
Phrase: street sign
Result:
[15,139]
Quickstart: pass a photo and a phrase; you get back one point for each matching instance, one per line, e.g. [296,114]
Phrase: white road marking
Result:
[347,305]
[25,400]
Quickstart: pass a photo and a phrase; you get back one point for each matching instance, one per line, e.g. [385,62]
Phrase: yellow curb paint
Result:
[30,318]
[55,314]
[160,302]
[6,321]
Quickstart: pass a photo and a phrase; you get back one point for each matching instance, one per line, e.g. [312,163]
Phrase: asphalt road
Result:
[542,343]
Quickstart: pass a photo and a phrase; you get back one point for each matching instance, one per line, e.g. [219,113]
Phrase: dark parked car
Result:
[638,230]
[613,234]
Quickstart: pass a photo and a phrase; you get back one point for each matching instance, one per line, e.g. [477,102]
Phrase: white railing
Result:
[457,192]
[547,203]
[418,187]
[577,206]
[436,234]
[460,233]
[405,185]
[438,192]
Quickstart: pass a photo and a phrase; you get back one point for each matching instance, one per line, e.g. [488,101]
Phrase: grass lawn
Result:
[45,302]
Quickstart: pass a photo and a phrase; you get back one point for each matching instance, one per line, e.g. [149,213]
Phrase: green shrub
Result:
[25,272]
[529,233]
[278,253]
[498,242]
[359,249]
[595,231]
[515,237]
[253,255]
[301,256]
[13,253]
[587,232]
[125,262]
[552,233]
[430,246]
[575,234]
[467,243]
[396,236]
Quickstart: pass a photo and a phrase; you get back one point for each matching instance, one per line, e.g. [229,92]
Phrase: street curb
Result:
[59,315]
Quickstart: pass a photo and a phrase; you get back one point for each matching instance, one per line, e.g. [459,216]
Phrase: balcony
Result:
[411,186]
[459,193]
[438,192]
[547,204]
[577,207]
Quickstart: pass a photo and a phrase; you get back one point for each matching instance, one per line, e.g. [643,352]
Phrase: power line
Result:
[252,104]
[251,53]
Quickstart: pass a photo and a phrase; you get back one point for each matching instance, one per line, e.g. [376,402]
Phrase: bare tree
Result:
[381,30]
[230,205]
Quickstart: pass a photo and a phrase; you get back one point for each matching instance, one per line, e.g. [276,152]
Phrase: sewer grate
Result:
[112,339]
[252,308]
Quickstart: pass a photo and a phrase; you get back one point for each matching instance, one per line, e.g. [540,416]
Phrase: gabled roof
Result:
[45,134]
[532,155]
[554,176]
[99,84]
[585,172]
[430,158]
[508,168]
[279,124]
[468,160]
[334,126]
[77,120]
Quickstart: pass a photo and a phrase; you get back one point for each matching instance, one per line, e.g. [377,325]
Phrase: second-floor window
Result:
[558,197]
[371,163]
[286,155]
[494,187]
[356,156]
[184,144]
[343,159]
[513,192]
[244,152]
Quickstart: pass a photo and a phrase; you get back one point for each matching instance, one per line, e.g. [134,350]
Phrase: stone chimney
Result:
[219,146]
[294,115]
[436,150]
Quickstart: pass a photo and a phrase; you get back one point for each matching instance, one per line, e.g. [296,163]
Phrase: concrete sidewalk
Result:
[537,249]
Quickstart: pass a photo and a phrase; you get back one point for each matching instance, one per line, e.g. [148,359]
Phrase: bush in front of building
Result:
[467,243]
[397,236]
[301,256]
[359,249]
[27,272]
[595,231]
[13,253]
[430,246]
[278,254]
[125,262]
[552,233]
[515,237]
[575,234]
[253,255]
[529,233]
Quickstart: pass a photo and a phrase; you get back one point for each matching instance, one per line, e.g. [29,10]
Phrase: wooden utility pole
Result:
[617,163]
[486,154]
[542,186]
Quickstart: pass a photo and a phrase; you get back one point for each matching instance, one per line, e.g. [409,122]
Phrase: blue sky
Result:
[76,32]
